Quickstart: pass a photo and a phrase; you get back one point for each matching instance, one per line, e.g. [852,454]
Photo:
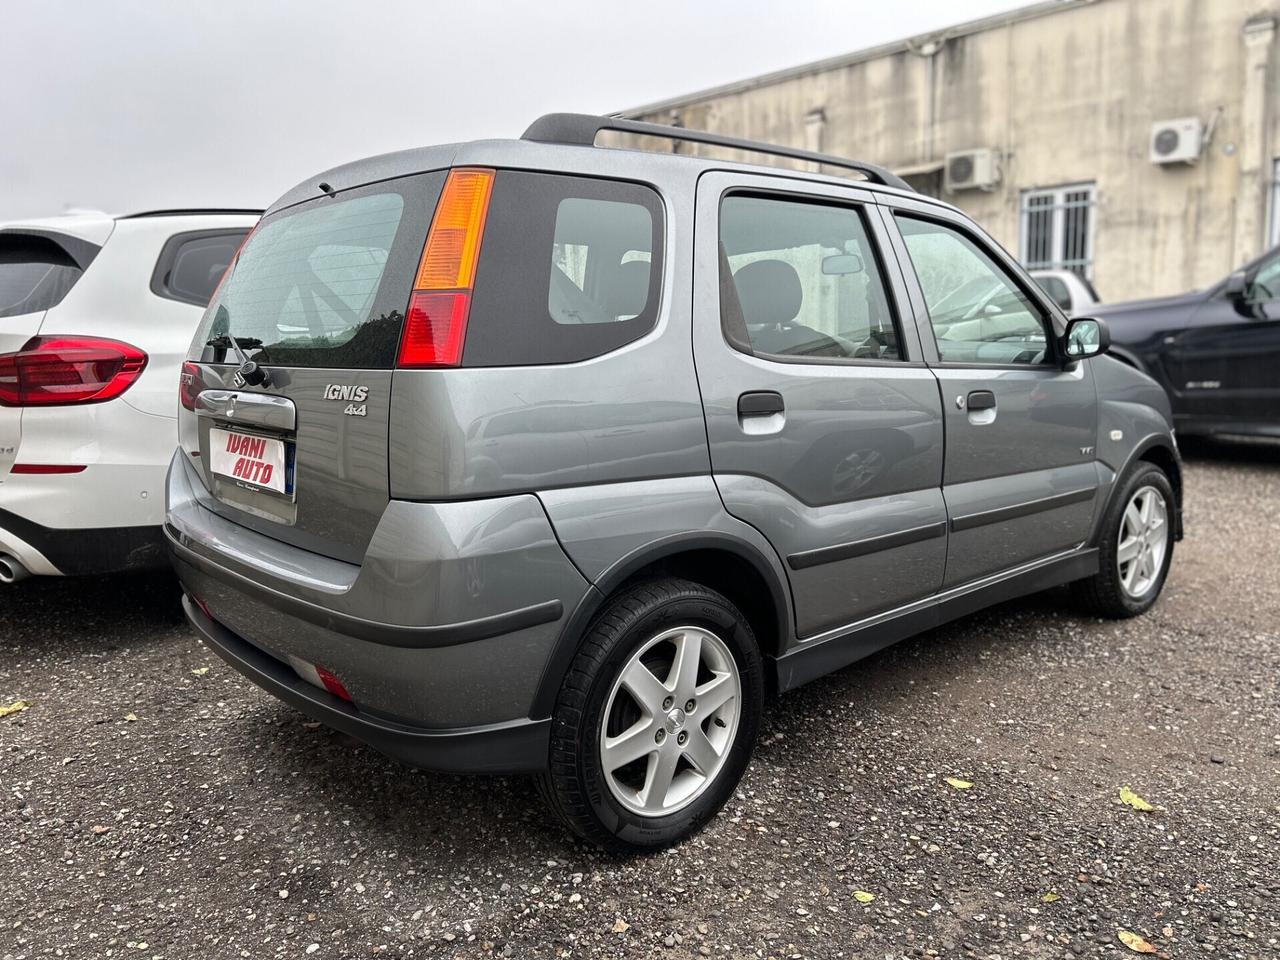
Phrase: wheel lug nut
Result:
[660,736]
[688,707]
[682,738]
[666,704]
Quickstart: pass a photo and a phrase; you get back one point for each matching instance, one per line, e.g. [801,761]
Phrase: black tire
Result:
[574,785]
[1103,594]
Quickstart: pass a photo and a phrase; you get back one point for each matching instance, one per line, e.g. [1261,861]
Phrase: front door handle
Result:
[981,400]
[760,403]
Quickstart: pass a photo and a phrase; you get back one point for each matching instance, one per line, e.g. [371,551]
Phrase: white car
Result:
[1072,292]
[96,315]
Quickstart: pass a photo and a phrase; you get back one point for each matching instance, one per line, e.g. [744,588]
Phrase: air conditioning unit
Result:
[971,170]
[1176,141]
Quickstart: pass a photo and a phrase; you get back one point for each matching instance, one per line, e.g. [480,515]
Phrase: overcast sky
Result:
[126,106]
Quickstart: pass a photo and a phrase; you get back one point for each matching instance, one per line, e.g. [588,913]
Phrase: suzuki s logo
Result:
[355,396]
[343,391]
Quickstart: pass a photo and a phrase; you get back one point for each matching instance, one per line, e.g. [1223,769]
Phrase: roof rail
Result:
[187,211]
[581,129]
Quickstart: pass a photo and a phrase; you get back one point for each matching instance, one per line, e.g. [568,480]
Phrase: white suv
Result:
[96,315]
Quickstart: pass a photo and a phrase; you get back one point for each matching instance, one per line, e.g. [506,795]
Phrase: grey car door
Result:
[1021,481]
[824,422]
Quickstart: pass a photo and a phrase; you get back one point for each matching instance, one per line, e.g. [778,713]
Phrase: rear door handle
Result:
[981,400]
[760,403]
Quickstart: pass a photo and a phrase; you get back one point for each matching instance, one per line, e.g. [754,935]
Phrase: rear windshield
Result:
[35,274]
[325,283]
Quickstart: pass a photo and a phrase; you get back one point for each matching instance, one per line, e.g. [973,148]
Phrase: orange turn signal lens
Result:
[453,243]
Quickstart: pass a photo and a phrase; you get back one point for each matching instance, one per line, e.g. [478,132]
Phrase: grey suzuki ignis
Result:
[543,456]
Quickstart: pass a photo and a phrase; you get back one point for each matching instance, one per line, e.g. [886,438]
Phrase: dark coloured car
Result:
[536,456]
[1216,351]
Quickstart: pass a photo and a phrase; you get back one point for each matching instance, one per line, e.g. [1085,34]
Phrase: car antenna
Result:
[328,190]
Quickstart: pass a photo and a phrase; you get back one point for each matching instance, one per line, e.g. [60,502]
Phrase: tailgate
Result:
[316,298]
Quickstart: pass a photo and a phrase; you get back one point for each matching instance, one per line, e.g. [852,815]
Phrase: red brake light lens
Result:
[190,383]
[56,371]
[434,329]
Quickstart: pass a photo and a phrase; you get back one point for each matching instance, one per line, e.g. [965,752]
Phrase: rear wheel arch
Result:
[725,564]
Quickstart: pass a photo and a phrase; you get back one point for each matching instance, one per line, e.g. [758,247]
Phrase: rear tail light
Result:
[190,383]
[436,318]
[54,371]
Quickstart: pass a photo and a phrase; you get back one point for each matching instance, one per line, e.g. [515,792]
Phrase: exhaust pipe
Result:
[11,569]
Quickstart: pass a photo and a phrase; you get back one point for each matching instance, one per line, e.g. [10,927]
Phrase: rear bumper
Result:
[518,746]
[448,623]
[81,552]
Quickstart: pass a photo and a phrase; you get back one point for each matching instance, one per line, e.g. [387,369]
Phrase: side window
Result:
[978,314]
[614,285]
[570,268]
[801,280]
[1266,282]
[191,264]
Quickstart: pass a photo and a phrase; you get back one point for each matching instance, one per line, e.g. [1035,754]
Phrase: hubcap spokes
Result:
[1144,538]
[669,721]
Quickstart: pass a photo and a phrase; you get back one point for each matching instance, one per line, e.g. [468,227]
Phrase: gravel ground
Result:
[156,805]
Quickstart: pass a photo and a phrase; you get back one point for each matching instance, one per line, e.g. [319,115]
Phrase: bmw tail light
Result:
[57,371]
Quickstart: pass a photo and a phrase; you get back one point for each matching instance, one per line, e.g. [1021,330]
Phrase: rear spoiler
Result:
[80,251]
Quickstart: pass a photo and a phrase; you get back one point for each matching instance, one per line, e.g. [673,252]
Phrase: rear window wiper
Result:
[250,372]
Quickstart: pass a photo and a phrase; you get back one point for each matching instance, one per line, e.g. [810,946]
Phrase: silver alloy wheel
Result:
[670,720]
[1144,540]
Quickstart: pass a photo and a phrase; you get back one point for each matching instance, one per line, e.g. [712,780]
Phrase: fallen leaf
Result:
[621,926]
[959,784]
[311,725]
[100,830]
[1135,942]
[1129,798]
[1050,897]
[863,897]
[131,717]
[200,671]
[16,707]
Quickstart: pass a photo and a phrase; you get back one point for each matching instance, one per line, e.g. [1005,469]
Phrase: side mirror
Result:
[1236,285]
[1085,337]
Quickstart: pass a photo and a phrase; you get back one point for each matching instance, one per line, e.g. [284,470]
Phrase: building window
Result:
[1057,228]
[1274,231]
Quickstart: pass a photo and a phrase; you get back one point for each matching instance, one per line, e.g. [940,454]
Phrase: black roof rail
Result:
[188,211]
[581,129]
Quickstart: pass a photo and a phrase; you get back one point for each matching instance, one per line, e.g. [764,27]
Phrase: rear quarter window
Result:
[191,264]
[570,268]
[35,274]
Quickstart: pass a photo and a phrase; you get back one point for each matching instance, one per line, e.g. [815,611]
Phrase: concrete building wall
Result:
[1065,92]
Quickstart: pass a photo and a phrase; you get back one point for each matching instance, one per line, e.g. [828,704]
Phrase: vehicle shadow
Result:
[68,613]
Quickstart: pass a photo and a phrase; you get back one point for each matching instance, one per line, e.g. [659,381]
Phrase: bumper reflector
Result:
[319,677]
